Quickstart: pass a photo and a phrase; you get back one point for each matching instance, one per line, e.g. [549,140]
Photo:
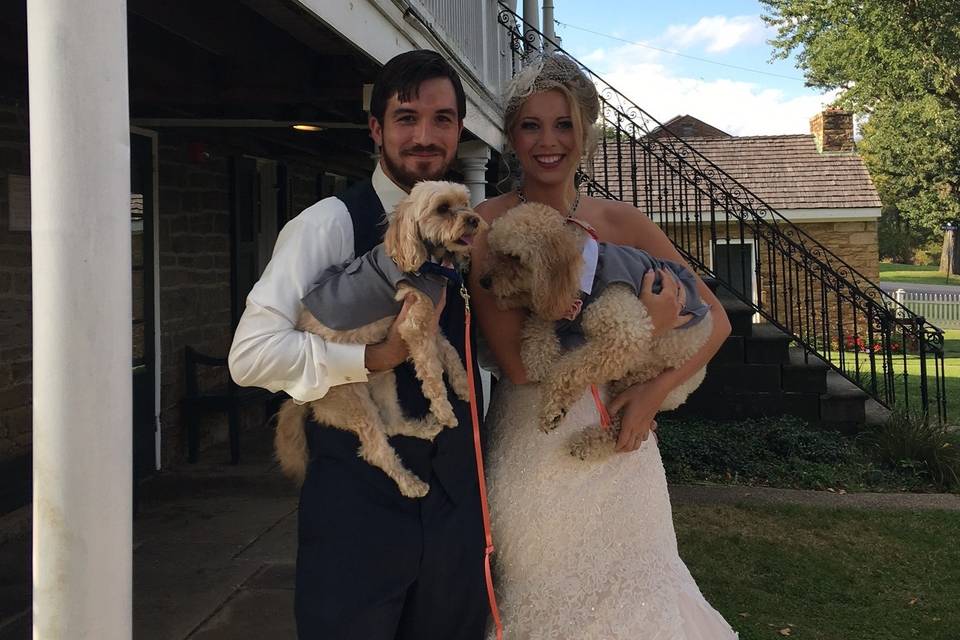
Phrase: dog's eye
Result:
[444,208]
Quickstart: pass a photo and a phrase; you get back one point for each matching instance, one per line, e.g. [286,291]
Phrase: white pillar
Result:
[531,15]
[80,173]
[474,156]
[548,27]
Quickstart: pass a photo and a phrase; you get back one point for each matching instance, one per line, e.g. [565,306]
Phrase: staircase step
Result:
[844,404]
[767,344]
[731,351]
[805,377]
[803,404]
[743,377]
[739,313]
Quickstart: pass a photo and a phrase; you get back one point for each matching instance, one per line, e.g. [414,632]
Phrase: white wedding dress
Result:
[584,549]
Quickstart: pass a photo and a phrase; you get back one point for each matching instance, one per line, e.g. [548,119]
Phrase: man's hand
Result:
[393,351]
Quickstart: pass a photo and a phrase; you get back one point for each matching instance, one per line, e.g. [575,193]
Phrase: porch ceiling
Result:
[226,60]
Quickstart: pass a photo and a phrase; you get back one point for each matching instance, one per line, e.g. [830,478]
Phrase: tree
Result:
[897,66]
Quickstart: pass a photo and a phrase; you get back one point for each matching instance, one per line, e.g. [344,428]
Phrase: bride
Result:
[585,549]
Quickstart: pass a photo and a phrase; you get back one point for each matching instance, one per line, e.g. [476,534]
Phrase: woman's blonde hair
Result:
[555,71]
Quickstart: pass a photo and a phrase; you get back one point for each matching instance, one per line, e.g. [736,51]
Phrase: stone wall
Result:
[193,254]
[16,365]
[194,258]
[798,300]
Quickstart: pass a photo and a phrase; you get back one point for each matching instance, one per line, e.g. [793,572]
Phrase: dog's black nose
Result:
[473,222]
[486,282]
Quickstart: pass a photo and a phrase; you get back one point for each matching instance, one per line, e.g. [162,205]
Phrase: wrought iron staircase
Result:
[835,317]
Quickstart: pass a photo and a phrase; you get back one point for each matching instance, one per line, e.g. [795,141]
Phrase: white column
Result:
[474,156]
[80,172]
[531,15]
[548,27]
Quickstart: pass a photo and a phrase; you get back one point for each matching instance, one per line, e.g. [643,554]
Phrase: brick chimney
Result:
[833,130]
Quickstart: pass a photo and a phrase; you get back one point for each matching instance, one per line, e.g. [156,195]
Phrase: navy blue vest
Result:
[450,456]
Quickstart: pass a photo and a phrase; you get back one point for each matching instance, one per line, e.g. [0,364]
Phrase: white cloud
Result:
[737,107]
[718,33]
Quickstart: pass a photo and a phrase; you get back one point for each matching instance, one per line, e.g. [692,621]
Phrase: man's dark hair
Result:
[403,76]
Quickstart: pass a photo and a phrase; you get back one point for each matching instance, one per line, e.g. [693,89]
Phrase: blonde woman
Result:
[585,549]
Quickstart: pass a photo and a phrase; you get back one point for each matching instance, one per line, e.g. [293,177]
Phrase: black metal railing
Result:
[788,277]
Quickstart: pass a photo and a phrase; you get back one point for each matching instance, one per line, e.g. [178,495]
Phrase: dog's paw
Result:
[443,412]
[550,420]
[593,443]
[414,488]
[461,388]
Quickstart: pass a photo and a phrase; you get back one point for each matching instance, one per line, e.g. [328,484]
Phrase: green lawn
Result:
[826,574]
[892,272]
[951,366]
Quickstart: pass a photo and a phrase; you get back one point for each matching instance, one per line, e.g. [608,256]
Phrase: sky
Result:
[740,101]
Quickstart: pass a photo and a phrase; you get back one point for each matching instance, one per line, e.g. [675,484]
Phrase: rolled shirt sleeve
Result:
[268,351]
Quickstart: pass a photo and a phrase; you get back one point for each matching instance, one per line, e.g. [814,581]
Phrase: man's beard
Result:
[407,179]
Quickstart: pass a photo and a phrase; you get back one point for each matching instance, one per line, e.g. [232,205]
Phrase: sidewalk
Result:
[213,553]
[214,546]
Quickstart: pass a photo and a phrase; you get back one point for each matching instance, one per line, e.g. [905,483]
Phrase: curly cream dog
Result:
[536,261]
[433,224]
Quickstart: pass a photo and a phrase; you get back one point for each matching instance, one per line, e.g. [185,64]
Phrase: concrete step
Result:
[731,351]
[804,372]
[767,344]
[843,406]
[742,377]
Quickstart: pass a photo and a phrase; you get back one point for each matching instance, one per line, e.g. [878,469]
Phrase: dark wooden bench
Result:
[225,397]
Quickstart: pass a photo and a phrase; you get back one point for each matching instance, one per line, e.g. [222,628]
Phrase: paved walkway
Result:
[214,547]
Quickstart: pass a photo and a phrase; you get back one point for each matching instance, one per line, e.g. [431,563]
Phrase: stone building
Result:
[814,186]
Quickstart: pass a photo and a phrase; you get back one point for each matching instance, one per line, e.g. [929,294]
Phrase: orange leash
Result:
[484,506]
[605,421]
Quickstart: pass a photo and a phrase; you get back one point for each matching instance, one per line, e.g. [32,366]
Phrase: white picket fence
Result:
[940,309]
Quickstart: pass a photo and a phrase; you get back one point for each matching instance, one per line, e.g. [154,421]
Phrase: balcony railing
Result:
[470,27]
[830,309]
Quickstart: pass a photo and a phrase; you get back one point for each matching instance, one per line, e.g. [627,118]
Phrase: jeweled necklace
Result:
[576,201]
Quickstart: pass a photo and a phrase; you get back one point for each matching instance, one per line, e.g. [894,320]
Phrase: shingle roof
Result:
[785,171]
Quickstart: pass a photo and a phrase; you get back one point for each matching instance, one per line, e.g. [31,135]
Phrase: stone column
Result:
[82,343]
[474,156]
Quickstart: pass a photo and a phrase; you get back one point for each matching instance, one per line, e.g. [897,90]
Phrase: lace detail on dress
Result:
[585,549]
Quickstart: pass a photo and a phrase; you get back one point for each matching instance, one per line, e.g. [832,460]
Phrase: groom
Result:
[372,564]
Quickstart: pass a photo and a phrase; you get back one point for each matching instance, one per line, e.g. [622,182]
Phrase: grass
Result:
[915,273]
[825,574]
[951,367]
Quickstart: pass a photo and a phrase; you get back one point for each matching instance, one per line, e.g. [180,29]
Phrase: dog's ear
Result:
[401,241]
[557,276]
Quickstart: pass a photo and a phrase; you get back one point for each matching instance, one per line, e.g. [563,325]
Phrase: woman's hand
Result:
[664,307]
[640,404]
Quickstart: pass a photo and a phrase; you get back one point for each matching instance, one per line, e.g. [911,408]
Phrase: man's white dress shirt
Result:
[267,350]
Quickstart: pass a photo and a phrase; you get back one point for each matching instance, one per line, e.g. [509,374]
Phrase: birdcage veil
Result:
[546,71]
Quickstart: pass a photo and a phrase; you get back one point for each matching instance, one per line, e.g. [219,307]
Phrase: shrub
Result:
[925,448]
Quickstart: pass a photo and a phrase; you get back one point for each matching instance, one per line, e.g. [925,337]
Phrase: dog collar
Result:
[440,270]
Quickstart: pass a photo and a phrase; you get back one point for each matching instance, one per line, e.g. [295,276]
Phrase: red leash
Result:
[605,421]
[484,506]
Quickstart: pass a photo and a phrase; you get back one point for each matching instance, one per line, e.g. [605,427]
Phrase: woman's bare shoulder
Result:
[495,207]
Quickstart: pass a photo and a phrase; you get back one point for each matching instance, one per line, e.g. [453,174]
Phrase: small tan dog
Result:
[357,304]
[574,339]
